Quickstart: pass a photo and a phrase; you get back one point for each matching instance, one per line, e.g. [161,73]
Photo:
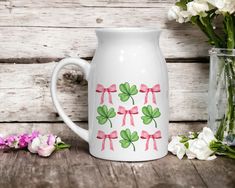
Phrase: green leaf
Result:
[182,4]
[62,145]
[127,92]
[156,113]
[133,90]
[125,143]
[128,138]
[123,89]
[145,111]
[105,114]
[150,114]
[124,97]
[134,136]
[111,113]
[101,111]
[127,87]
[101,120]
[146,120]
[124,135]
[150,109]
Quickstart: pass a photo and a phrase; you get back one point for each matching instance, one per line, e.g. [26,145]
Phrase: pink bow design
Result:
[146,135]
[123,111]
[101,89]
[145,89]
[102,135]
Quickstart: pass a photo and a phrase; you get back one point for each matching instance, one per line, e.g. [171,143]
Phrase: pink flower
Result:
[44,145]
[12,141]
[46,150]
[24,140]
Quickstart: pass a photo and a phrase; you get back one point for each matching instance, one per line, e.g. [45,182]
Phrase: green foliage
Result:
[127,92]
[105,114]
[128,138]
[150,114]
[61,146]
[183,4]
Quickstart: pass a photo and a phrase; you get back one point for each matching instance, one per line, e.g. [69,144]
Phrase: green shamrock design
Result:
[127,91]
[128,138]
[105,114]
[150,114]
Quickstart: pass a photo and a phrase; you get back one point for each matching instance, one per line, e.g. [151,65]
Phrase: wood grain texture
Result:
[25,93]
[86,3]
[55,32]
[76,168]
[62,130]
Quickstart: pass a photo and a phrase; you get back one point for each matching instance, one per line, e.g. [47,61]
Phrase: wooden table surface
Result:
[34,35]
[76,168]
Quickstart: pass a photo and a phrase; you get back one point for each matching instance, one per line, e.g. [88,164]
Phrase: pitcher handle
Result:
[83,133]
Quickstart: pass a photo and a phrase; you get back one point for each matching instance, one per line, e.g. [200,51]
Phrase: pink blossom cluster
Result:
[43,145]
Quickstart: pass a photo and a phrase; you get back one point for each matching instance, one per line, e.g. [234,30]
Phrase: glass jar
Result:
[221,105]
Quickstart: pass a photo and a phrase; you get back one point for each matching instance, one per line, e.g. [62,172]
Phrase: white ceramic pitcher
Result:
[127,96]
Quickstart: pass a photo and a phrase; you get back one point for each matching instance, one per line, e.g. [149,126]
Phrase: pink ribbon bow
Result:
[102,135]
[101,89]
[146,135]
[145,89]
[123,111]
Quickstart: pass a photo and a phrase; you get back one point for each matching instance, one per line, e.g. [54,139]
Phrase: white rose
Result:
[223,5]
[197,7]
[176,147]
[207,135]
[198,149]
[176,13]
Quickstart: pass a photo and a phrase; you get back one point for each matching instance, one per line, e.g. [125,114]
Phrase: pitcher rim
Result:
[128,29]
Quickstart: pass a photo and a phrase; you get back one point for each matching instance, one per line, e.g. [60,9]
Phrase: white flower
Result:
[33,146]
[44,145]
[176,147]
[45,150]
[198,7]
[207,135]
[176,13]
[223,5]
[198,149]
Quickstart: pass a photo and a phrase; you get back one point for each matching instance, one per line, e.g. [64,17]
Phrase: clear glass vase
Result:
[221,106]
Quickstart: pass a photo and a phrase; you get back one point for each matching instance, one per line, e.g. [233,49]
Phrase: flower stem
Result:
[155,122]
[111,125]
[133,146]
[133,102]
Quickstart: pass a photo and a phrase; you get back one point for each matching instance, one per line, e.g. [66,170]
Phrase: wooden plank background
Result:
[34,35]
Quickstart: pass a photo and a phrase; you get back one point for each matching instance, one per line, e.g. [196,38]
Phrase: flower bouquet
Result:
[209,16]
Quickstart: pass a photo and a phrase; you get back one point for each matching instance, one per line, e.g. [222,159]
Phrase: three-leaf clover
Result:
[105,114]
[150,114]
[127,91]
[128,138]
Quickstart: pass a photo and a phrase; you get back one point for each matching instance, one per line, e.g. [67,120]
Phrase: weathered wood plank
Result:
[76,168]
[62,130]
[25,94]
[86,17]
[87,3]
[57,32]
